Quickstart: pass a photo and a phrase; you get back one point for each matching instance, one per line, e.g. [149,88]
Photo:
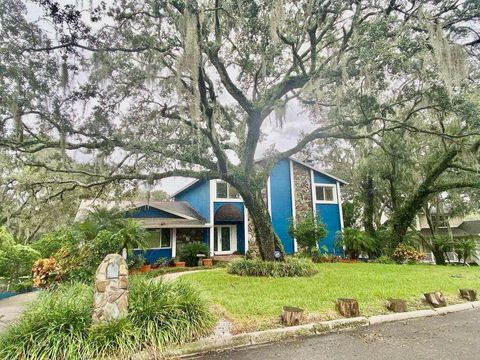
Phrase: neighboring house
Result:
[454,226]
[212,211]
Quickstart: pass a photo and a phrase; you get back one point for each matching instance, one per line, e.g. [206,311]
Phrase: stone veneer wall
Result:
[303,191]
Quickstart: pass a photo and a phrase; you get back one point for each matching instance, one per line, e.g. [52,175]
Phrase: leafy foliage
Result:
[16,261]
[58,325]
[6,238]
[406,253]
[46,272]
[309,232]
[355,242]
[464,248]
[188,252]
[288,268]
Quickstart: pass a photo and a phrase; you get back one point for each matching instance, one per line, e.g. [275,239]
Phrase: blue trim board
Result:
[198,196]
[280,194]
[330,216]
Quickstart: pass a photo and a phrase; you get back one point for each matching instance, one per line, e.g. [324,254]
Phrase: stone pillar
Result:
[110,299]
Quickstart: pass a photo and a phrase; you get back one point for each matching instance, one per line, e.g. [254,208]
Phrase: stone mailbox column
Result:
[110,299]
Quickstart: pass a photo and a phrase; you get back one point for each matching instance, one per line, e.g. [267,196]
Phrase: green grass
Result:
[255,303]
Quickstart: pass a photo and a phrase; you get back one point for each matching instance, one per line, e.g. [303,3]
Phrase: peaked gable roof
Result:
[343,182]
[181,209]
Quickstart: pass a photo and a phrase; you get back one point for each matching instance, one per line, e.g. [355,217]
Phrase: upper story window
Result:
[226,191]
[325,193]
[440,221]
[159,239]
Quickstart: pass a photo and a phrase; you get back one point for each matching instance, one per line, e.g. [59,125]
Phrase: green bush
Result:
[464,248]
[16,261]
[355,242]
[188,252]
[49,244]
[288,268]
[80,261]
[58,324]
[6,239]
[309,232]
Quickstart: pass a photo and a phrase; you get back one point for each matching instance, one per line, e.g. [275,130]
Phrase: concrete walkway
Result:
[11,308]
[453,336]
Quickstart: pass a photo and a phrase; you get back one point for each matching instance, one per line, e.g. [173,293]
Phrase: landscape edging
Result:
[323,327]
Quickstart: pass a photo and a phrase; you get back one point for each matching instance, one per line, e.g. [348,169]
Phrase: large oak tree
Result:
[185,88]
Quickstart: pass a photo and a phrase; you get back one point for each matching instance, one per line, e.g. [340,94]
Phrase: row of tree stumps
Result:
[349,307]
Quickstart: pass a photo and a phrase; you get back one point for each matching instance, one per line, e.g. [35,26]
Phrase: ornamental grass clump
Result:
[288,268]
[58,325]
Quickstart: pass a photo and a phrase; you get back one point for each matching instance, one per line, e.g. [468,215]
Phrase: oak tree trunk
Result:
[268,242]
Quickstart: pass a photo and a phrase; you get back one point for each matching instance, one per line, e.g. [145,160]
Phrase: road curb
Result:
[324,327]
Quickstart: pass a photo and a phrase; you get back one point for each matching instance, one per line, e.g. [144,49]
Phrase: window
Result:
[159,238]
[325,193]
[226,191]
[440,221]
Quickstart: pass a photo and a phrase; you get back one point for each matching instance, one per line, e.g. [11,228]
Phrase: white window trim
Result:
[160,242]
[217,199]
[334,189]
[233,237]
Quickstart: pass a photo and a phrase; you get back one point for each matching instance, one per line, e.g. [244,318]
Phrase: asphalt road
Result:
[453,336]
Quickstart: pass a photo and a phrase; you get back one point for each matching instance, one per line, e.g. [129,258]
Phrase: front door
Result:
[224,239]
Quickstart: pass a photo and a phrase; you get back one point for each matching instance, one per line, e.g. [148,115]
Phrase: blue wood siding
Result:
[330,216]
[198,196]
[152,255]
[150,212]
[322,179]
[281,197]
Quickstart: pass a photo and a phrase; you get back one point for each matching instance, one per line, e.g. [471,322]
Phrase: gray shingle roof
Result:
[180,208]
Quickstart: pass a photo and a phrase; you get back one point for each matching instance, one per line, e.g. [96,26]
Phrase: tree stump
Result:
[347,307]
[468,294]
[397,305]
[291,315]
[436,299]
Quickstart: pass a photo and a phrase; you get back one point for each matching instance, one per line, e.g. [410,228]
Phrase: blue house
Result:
[212,211]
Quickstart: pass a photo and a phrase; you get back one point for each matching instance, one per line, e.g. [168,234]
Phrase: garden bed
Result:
[255,303]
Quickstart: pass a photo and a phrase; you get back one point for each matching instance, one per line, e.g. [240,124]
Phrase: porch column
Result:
[212,240]
[174,242]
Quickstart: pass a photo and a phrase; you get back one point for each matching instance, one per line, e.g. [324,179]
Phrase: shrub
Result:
[16,261]
[464,248]
[79,262]
[46,272]
[384,259]
[50,243]
[355,242]
[309,232]
[288,268]
[52,327]
[404,253]
[440,246]
[188,252]
[58,324]
[6,239]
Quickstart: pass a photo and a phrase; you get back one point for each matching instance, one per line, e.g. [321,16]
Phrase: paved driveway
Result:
[453,336]
[11,308]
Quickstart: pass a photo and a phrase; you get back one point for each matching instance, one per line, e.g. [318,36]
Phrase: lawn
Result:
[255,303]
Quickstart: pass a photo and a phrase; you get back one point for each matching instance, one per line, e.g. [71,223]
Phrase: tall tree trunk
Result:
[268,242]
[369,204]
